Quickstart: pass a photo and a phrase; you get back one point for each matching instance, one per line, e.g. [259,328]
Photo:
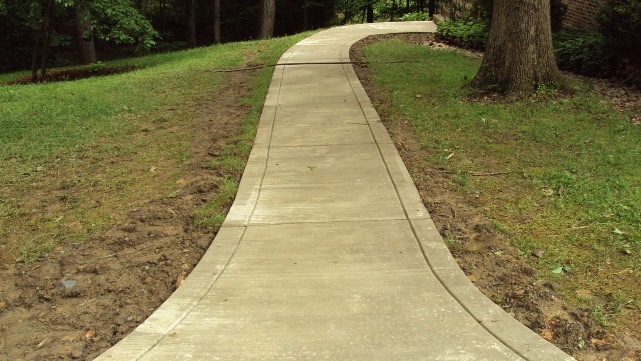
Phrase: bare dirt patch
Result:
[83,297]
[484,253]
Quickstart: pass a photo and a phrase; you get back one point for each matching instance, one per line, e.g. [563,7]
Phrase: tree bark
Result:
[216,4]
[191,22]
[267,10]
[42,42]
[86,44]
[306,18]
[431,8]
[46,41]
[370,13]
[519,54]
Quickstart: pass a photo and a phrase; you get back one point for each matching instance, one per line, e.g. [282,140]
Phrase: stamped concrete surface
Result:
[328,252]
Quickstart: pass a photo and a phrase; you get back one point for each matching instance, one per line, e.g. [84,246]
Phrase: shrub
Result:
[482,9]
[620,22]
[415,17]
[471,34]
[583,52]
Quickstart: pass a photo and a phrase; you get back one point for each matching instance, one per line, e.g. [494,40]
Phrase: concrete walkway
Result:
[328,252]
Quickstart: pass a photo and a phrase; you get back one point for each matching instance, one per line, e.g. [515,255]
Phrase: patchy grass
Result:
[554,172]
[75,156]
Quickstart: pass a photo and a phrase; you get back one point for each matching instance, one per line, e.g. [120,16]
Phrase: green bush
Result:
[482,9]
[583,52]
[471,34]
[415,17]
[620,22]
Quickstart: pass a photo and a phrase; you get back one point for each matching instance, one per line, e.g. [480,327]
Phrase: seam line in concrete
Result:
[415,233]
[233,253]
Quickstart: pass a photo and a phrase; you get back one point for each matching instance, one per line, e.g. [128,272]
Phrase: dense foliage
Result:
[620,23]
[471,34]
[613,49]
[583,52]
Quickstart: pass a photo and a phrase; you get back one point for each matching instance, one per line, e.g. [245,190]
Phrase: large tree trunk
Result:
[86,44]
[267,10]
[519,54]
[191,22]
[431,8]
[216,4]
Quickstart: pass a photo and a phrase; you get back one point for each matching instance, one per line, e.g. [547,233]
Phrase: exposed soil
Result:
[72,74]
[488,258]
[82,298]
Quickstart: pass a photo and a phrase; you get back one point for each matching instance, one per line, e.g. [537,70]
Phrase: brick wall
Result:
[580,13]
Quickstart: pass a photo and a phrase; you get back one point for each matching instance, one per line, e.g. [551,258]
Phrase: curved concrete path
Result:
[328,252]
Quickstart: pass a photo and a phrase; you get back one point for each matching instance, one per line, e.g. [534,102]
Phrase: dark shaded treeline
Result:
[41,33]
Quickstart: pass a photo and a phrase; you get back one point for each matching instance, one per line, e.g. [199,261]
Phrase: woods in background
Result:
[42,33]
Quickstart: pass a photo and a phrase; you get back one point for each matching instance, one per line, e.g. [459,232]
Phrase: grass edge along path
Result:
[563,172]
[108,141]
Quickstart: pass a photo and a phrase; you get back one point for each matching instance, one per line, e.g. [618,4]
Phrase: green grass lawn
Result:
[72,145]
[573,169]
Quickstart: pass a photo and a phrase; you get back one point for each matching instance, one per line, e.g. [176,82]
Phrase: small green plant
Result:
[96,67]
[583,52]
[600,315]
[213,213]
[35,249]
[471,34]
[415,17]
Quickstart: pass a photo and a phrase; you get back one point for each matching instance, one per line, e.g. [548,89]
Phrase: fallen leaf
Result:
[88,335]
[547,334]
[617,231]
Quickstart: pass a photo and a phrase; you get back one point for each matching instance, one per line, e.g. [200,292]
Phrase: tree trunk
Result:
[519,54]
[191,22]
[46,41]
[42,42]
[163,18]
[431,8]
[370,13]
[85,38]
[34,59]
[216,21]
[267,10]
[306,18]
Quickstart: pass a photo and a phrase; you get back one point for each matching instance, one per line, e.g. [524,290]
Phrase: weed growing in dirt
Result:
[212,214]
[555,172]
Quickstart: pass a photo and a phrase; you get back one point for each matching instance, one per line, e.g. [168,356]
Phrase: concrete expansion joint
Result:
[328,251]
